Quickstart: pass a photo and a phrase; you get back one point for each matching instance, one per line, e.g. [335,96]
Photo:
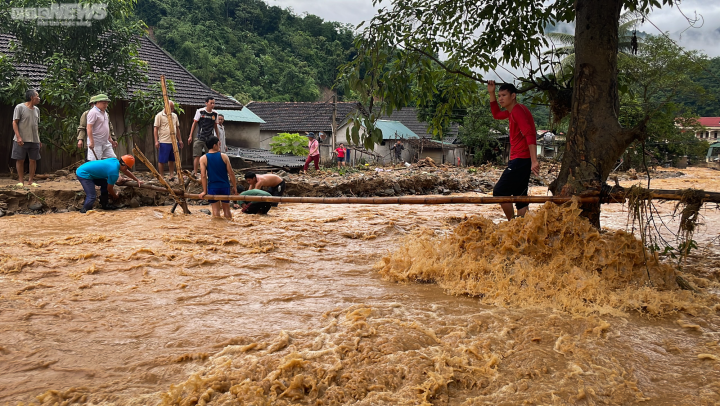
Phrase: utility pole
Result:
[334,120]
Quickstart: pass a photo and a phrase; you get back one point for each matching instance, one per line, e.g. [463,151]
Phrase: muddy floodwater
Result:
[142,307]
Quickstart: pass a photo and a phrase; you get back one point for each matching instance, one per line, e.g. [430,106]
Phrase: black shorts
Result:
[514,180]
[278,190]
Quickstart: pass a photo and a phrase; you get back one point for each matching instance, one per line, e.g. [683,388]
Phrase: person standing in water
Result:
[104,173]
[217,176]
[523,151]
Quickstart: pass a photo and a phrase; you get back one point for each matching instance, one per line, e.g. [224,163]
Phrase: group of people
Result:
[103,167]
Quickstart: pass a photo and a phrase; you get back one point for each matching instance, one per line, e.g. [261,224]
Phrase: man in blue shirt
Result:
[217,175]
[104,173]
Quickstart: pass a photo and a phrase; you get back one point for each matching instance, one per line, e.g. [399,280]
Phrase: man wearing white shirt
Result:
[100,145]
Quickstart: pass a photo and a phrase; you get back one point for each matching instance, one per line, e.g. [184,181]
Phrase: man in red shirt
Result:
[523,151]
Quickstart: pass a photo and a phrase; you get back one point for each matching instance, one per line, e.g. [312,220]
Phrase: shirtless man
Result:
[274,183]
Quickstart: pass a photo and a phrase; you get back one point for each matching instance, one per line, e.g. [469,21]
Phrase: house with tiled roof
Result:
[299,117]
[711,132]
[190,95]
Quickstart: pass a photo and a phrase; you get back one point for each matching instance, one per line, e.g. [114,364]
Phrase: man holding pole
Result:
[523,151]
[217,176]
[163,141]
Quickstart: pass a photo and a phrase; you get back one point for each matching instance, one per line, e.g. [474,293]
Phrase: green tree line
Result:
[249,49]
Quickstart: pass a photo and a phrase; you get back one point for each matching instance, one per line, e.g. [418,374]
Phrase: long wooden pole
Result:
[141,156]
[171,124]
[708,197]
[396,200]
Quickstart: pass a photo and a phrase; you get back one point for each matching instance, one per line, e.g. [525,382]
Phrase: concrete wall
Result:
[244,135]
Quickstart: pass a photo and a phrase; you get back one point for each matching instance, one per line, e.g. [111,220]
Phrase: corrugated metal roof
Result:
[266,156]
[393,130]
[243,116]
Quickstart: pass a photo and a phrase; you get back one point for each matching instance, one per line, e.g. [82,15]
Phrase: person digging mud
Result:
[217,174]
[104,173]
[274,183]
[523,153]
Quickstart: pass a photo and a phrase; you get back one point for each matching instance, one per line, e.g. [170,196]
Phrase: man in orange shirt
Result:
[523,151]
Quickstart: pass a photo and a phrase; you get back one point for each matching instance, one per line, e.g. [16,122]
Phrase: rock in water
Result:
[206,211]
[35,206]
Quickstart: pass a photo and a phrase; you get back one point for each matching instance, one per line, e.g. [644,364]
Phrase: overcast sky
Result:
[705,38]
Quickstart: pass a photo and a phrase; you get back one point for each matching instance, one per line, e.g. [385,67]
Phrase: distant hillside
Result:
[248,49]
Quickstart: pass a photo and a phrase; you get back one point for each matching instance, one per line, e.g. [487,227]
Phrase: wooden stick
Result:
[171,124]
[154,171]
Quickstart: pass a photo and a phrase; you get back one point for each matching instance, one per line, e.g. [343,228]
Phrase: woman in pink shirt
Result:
[314,154]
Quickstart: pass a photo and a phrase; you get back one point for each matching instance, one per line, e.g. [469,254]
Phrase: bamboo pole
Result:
[171,124]
[659,194]
[397,200]
[154,171]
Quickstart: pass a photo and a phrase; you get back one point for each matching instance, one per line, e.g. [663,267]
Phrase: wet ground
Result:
[142,307]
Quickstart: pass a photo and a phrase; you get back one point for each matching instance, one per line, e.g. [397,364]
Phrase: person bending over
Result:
[104,173]
[274,183]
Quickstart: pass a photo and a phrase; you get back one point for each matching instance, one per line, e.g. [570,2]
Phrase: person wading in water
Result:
[216,174]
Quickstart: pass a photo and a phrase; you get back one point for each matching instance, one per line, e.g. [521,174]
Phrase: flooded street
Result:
[141,307]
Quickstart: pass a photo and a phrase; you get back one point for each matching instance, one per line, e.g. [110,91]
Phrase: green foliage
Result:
[286,143]
[709,104]
[247,47]
[479,130]
[656,80]
[401,44]
[81,62]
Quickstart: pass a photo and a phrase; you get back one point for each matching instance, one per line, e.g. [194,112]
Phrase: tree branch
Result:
[442,65]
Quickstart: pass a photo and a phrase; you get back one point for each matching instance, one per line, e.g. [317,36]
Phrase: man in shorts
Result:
[206,121]
[26,142]
[217,176]
[523,151]
[100,144]
[274,183]
[163,141]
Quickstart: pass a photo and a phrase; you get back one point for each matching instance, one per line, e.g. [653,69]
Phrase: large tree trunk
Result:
[595,139]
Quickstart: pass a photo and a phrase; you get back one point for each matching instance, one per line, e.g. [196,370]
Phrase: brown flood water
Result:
[139,307]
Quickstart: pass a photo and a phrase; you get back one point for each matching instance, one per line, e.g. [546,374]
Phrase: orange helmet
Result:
[129,161]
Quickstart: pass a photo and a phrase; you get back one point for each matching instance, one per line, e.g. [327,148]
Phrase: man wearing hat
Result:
[82,129]
[100,145]
[314,154]
[104,173]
